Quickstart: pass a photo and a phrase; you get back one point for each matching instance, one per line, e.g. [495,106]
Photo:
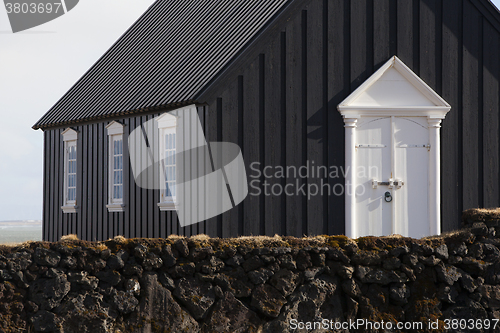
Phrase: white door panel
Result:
[411,137]
[392,148]
[374,162]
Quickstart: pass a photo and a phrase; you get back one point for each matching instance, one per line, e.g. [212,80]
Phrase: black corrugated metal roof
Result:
[164,59]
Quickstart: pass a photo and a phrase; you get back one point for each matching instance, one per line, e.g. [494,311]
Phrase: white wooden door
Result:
[392,167]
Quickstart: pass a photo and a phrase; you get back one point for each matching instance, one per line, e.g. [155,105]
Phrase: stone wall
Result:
[252,284]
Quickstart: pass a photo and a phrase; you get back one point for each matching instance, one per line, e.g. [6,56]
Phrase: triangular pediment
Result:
[69,134]
[114,127]
[394,87]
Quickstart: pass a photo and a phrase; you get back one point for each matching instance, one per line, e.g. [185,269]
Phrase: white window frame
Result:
[167,124]
[70,139]
[115,132]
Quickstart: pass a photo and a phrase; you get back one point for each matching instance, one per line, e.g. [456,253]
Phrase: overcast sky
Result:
[37,67]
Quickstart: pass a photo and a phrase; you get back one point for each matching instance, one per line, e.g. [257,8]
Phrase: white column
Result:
[434,176]
[350,180]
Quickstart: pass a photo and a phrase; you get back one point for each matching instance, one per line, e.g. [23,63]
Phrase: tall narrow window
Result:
[115,190]
[70,137]
[169,169]
[167,125]
[71,195]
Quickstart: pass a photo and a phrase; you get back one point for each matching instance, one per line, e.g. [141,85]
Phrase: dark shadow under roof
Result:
[175,49]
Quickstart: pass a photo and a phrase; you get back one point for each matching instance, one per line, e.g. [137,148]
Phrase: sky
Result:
[37,67]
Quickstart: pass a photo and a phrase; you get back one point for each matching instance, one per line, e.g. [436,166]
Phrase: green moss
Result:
[337,241]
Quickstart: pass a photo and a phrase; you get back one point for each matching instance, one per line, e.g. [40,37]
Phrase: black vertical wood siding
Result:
[278,102]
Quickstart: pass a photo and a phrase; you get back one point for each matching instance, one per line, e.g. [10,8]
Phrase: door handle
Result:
[391,183]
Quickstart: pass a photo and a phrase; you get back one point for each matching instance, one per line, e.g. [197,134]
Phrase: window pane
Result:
[71,194]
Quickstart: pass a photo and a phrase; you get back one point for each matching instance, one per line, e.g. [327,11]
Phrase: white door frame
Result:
[421,101]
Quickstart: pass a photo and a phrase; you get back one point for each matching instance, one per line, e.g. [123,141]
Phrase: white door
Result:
[392,176]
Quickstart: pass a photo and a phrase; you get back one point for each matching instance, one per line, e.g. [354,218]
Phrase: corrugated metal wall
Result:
[278,102]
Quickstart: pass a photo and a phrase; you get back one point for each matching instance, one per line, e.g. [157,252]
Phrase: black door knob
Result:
[388,196]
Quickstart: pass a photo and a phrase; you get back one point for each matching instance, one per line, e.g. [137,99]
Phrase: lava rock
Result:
[268,300]
[68,262]
[318,259]
[235,281]
[109,276]
[132,286]
[158,311]
[430,261]
[286,261]
[183,270]
[491,294]
[376,275]
[46,257]
[442,252]
[152,261]
[86,313]
[140,251]
[391,263]
[124,302]
[118,260]
[467,282]
[18,261]
[213,265]
[252,264]
[351,288]
[338,255]
[235,261]
[285,281]
[447,294]
[260,276]
[197,296]
[48,293]
[168,256]
[341,270]
[82,280]
[182,246]
[448,274]
[132,270]
[303,260]
[230,315]
[400,250]
[459,250]
[399,293]
[166,281]
[44,321]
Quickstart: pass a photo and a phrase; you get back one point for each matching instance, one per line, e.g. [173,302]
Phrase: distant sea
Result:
[20,231]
